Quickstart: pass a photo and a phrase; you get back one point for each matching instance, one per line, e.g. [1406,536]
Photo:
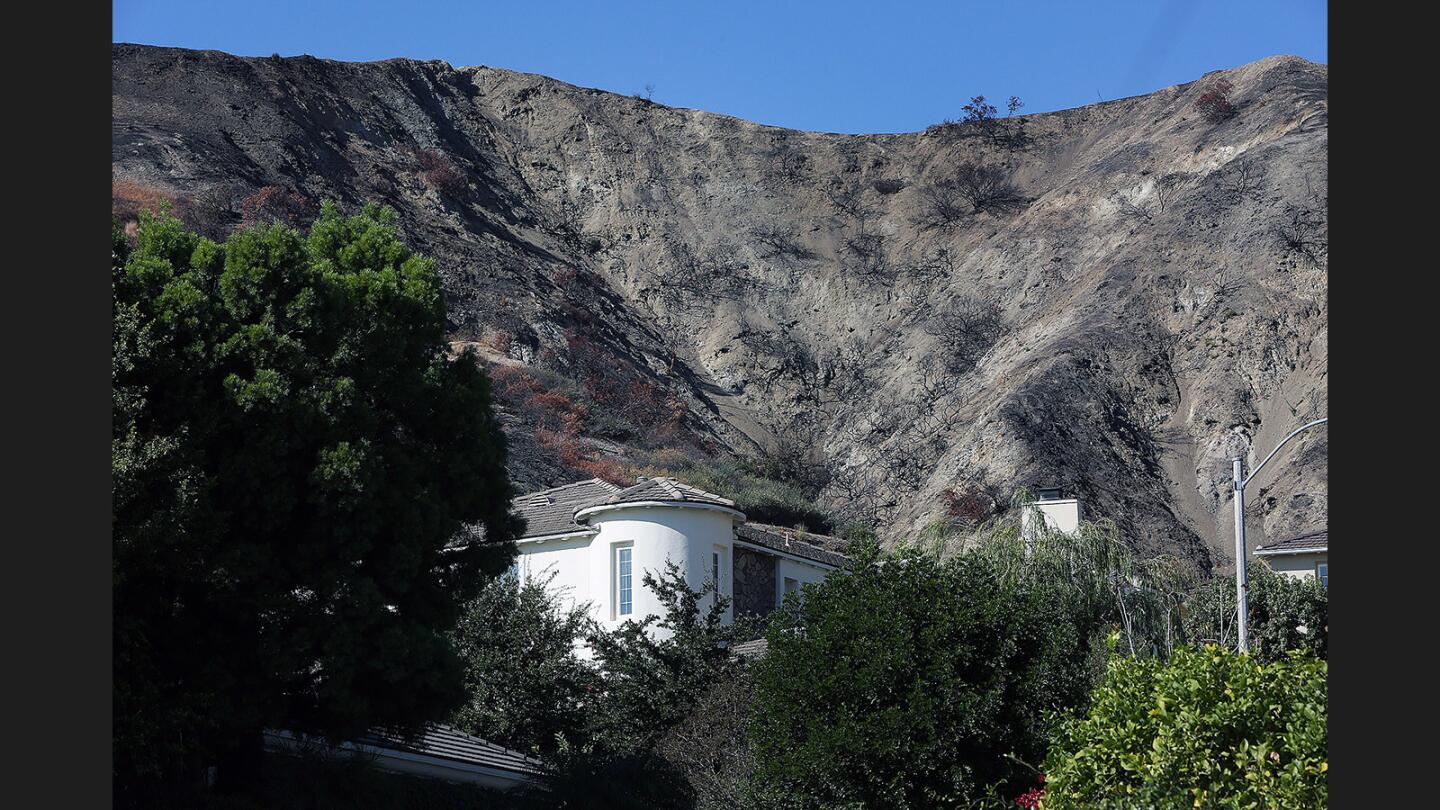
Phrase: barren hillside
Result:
[1115,299]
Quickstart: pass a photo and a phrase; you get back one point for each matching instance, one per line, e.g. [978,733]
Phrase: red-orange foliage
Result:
[565,277]
[640,401]
[969,505]
[1215,102]
[128,198]
[607,469]
[277,204]
[440,173]
[559,421]
[501,341]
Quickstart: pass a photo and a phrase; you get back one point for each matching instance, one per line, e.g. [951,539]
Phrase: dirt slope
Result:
[1122,297]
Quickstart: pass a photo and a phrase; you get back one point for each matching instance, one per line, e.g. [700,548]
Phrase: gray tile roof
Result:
[447,742]
[552,511]
[818,547]
[753,649]
[666,489]
[1311,541]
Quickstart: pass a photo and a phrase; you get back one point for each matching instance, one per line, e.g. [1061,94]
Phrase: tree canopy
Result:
[293,449]
[1207,728]
[527,688]
[906,681]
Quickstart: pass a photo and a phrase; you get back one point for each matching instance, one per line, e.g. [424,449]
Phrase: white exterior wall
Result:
[1060,515]
[1297,566]
[585,567]
[685,535]
[567,558]
[803,572]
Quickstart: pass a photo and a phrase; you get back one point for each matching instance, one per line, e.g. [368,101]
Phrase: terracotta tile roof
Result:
[1311,541]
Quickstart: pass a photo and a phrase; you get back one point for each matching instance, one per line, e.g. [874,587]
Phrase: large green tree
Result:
[908,680]
[293,450]
[526,687]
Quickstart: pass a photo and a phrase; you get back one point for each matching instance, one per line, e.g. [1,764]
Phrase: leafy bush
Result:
[527,689]
[1211,728]
[1285,614]
[650,680]
[908,680]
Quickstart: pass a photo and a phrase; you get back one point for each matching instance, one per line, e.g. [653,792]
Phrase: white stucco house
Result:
[1051,509]
[598,539]
[1301,557]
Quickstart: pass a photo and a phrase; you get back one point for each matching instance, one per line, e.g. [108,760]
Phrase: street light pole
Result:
[1242,578]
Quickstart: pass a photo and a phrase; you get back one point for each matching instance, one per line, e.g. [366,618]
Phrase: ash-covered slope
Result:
[1115,298]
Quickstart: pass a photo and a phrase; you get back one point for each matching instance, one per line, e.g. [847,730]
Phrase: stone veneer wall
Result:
[753,582]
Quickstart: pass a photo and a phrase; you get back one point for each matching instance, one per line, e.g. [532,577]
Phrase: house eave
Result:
[591,511]
[407,762]
[1278,552]
[788,555]
[541,538]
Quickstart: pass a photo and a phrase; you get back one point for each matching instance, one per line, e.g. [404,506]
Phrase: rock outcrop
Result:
[1115,299]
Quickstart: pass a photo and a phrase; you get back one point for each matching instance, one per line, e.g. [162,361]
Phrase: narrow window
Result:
[791,585]
[715,569]
[623,593]
[1322,573]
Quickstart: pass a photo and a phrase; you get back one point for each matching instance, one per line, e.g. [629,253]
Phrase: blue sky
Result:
[835,66]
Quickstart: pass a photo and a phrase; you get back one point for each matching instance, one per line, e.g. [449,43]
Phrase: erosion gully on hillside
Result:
[1115,299]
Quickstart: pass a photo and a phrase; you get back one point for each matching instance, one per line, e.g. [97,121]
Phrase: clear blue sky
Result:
[836,66]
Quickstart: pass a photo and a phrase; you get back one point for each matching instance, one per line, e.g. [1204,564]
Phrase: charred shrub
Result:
[1214,103]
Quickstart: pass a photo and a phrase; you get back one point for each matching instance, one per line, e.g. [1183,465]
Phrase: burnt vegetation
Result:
[776,242]
[965,329]
[1302,234]
[440,173]
[972,189]
[1215,104]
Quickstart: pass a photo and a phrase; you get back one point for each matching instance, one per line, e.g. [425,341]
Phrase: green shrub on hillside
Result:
[763,499]
[1210,728]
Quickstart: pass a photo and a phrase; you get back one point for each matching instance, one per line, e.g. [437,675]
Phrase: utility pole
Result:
[1242,578]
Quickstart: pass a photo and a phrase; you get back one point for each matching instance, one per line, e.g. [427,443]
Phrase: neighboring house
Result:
[1053,509]
[1307,555]
[599,539]
[440,752]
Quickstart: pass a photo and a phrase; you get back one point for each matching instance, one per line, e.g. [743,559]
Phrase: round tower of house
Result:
[642,528]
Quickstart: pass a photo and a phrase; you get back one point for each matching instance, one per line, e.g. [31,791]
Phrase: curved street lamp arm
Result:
[1286,440]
